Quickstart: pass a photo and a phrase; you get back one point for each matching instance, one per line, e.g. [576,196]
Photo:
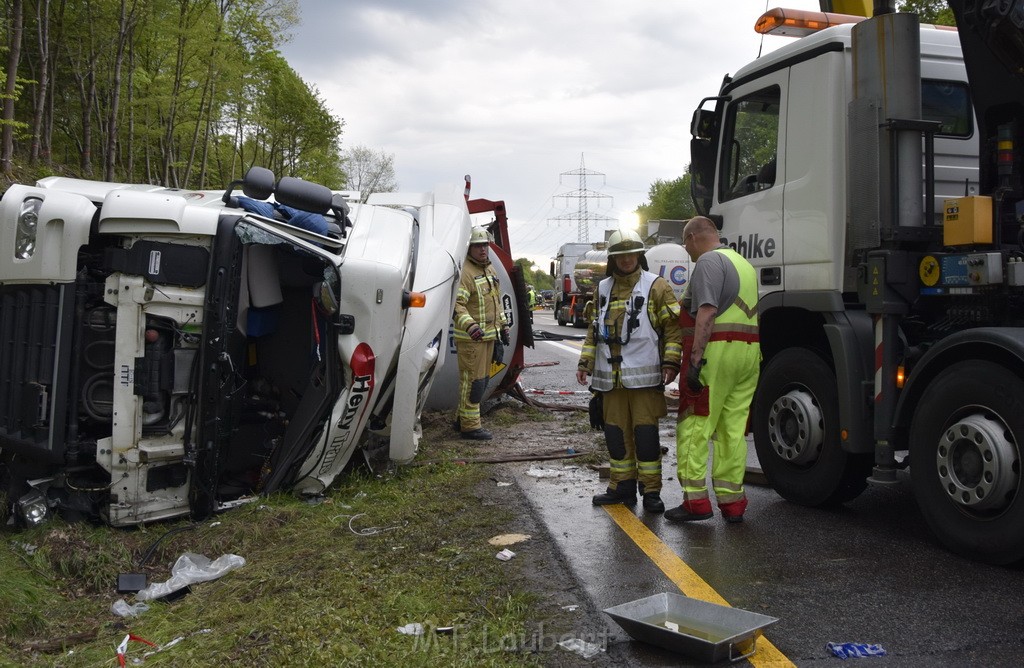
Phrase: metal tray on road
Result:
[706,631]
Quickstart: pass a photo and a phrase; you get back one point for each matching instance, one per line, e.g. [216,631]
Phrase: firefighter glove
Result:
[475,332]
[504,335]
[499,352]
[693,383]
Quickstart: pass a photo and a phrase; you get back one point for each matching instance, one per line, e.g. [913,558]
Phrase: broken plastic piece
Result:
[189,569]
[846,650]
[508,539]
[413,629]
[585,649]
[121,608]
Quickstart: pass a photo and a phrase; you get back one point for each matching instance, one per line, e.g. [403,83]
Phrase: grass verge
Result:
[325,583]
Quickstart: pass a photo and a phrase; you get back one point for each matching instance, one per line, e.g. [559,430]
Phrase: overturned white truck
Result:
[166,352]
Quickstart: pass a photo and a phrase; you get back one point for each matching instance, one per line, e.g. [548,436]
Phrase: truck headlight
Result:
[31,508]
[28,224]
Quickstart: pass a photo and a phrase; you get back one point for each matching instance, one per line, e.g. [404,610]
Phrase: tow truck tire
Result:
[965,460]
[558,315]
[796,432]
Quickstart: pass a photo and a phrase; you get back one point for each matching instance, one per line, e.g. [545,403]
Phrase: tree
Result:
[669,200]
[369,171]
[929,11]
[540,279]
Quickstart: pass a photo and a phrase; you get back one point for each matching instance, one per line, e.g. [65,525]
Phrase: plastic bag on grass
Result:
[189,569]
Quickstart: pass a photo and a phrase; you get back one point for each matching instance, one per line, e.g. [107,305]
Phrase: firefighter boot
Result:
[692,510]
[653,502]
[732,511]
[624,492]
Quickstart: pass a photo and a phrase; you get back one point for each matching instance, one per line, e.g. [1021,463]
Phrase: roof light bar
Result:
[798,23]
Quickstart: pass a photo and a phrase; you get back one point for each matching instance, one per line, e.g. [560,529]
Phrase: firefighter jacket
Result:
[635,332]
[478,301]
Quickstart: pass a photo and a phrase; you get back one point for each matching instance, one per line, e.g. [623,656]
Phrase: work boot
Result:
[690,511]
[624,493]
[457,425]
[653,502]
[477,435]
[732,511]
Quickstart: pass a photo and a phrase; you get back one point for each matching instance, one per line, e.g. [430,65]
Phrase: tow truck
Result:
[167,352]
[886,224]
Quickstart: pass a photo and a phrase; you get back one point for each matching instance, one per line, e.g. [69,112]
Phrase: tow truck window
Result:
[948,102]
[750,145]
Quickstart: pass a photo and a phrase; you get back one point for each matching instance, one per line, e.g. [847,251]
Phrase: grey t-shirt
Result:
[713,281]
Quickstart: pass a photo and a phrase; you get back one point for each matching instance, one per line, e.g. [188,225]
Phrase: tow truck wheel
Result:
[796,432]
[558,315]
[965,454]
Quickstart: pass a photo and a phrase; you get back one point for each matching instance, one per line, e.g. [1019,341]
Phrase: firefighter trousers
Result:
[731,376]
[631,433]
[474,364]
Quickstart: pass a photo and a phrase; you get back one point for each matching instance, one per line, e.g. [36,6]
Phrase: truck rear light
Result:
[797,23]
[28,224]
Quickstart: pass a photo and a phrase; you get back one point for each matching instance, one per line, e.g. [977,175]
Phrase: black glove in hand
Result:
[693,383]
[504,335]
[475,332]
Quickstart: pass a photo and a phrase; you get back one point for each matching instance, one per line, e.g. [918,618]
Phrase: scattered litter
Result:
[541,472]
[189,569]
[122,649]
[585,649]
[368,531]
[508,539]
[847,650]
[215,524]
[360,495]
[505,555]
[121,608]
[414,629]
[504,484]
[27,548]
[570,451]
[444,630]
[672,626]
[168,645]
[570,608]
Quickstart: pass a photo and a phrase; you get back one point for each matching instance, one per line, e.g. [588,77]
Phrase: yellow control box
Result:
[967,220]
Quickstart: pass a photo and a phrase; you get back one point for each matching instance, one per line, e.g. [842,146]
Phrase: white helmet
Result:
[479,235]
[624,241]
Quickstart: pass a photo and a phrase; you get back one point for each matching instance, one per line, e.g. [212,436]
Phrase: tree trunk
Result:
[43,35]
[13,55]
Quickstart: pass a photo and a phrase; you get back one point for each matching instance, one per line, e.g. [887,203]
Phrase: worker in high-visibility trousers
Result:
[720,364]
[632,351]
[479,321]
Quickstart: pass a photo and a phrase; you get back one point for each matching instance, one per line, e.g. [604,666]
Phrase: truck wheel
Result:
[558,315]
[965,455]
[796,432]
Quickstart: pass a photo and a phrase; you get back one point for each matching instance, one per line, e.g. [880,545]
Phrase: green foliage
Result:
[203,94]
[669,200]
[930,11]
[540,278]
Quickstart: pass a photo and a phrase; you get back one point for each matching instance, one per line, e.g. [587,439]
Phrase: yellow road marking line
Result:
[685,578]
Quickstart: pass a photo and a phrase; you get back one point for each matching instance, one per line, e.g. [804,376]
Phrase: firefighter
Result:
[531,300]
[631,351]
[721,361]
[479,323]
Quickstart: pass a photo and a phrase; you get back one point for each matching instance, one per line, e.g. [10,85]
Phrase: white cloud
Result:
[514,93]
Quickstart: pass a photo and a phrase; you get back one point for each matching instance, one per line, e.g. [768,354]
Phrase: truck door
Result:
[749,184]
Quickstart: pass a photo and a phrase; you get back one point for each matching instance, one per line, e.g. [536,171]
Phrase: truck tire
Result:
[558,314]
[965,454]
[796,432]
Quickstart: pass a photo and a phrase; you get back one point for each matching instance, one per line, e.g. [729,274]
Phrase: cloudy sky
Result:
[517,92]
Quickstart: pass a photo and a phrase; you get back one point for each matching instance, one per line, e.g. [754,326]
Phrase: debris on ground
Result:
[508,539]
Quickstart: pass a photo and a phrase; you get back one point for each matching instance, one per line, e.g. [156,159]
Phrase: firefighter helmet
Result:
[624,241]
[479,235]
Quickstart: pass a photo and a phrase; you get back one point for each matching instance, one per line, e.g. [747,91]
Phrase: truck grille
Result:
[30,341]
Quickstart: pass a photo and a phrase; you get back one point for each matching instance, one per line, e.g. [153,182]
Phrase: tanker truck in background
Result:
[668,260]
[871,172]
[568,307]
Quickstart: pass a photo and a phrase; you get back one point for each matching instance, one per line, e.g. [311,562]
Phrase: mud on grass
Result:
[327,582]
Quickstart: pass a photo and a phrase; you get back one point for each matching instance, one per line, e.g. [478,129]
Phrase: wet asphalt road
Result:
[867,572]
